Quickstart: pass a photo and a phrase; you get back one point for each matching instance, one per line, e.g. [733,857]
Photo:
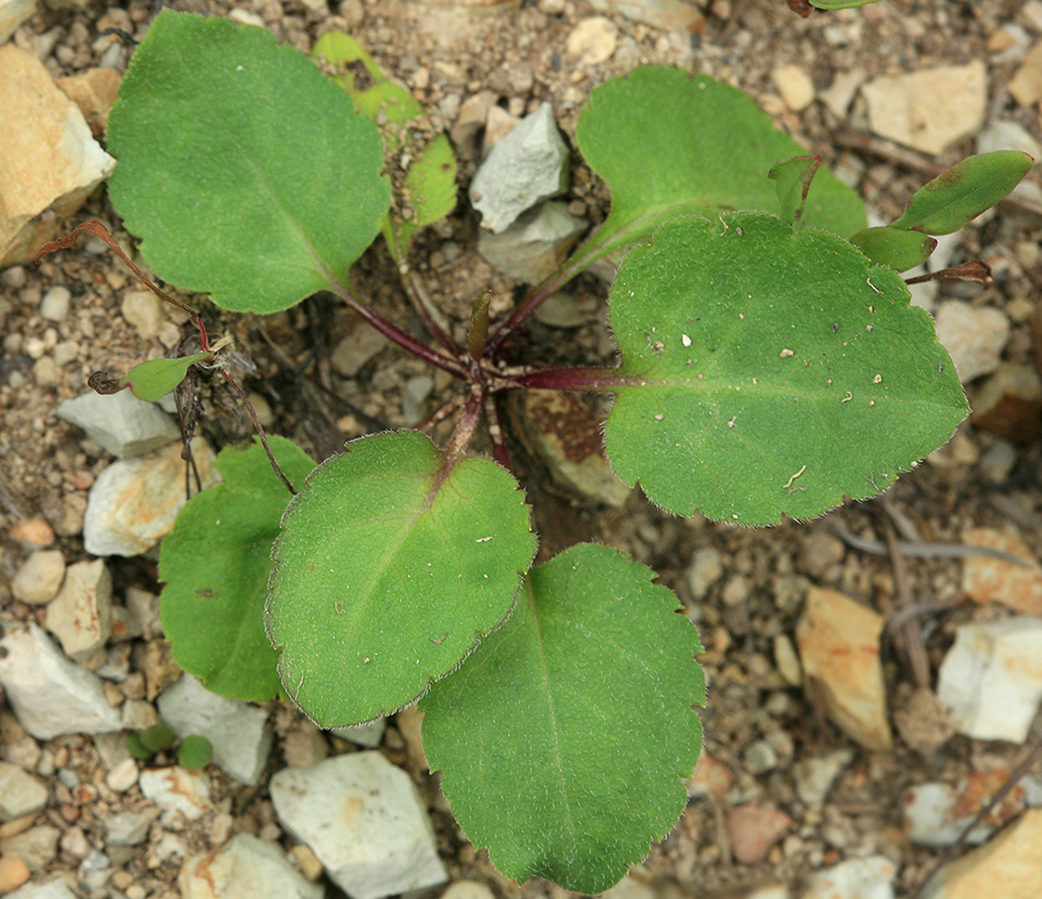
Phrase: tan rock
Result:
[38,580]
[710,777]
[94,92]
[929,110]
[80,616]
[12,14]
[669,15]
[1026,83]
[1009,865]
[992,580]
[49,162]
[13,873]
[794,85]
[592,41]
[838,640]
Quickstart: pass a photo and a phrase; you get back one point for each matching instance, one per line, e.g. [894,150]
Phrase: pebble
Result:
[987,580]
[414,399]
[13,873]
[857,878]
[1009,405]
[38,580]
[95,90]
[471,118]
[246,868]
[142,310]
[1026,83]
[814,777]
[236,730]
[974,336]
[369,735]
[353,352]
[366,822]
[840,94]
[32,532]
[497,126]
[531,248]
[759,757]
[472,889]
[794,85]
[998,461]
[123,776]
[177,792]
[120,423]
[838,639]
[592,41]
[786,660]
[37,846]
[922,721]
[991,679]
[80,616]
[705,569]
[710,778]
[50,695]
[130,828]
[527,166]
[669,15]
[1007,135]
[55,304]
[752,830]
[21,794]
[133,503]
[819,551]
[929,110]
[561,310]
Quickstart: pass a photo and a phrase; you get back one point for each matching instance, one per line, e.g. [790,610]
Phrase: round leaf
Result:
[247,173]
[562,739]
[391,565]
[194,752]
[770,372]
[215,566]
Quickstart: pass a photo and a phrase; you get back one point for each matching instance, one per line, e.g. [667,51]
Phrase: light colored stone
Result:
[937,814]
[120,423]
[528,166]
[21,794]
[356,349]
[472,889]
[55,304]
[80,616]
[991,679]
[130,828]
[993,580]
[94,92]
[497,126]
[838,96]
[706,568]
[1026,83]
[786,660]
[471,118]
[142,310]
[13,873]
[12,14]
[795,86]
[37,582]
[50,695]
[814,777]
[37,846]
[838,639]
[51,163]
[752,830]
[1007,135]
[177,792]
[236,730]
[929,110]
[1008,866]
[122,776]
[368,735]
[857,878]
[246,868]
[535,245]
[669,15]
[592,41]
[973,335]
[1009,405]
[133,503]
[365,821]
[710,778]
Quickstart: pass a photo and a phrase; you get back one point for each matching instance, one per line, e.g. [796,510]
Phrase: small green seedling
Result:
[770,365]
[193,753]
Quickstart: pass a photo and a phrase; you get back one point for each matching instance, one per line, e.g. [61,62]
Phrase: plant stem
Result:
[479,327]
[500,450]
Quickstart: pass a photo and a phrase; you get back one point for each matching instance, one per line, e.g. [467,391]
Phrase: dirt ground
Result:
[517,51]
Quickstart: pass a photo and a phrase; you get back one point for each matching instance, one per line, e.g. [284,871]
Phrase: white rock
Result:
[177,792]
[51,161]
[120,423]
[592,41]
[472,889]
[535,244]
[21,794]
[627,888]
[368,735]
[527,166]
[122,776]
[929,110]
[859,878]
[973,335]
[236,730]
[928,816]
[991,679]
[38,580]
[365,821]
[142,310]
[12,14]
[130,828]
[794,85]
[50,695]
[133,503]
[80,616]
[54,889]
[669,15]
[814,776]
[246,868]
[55,304]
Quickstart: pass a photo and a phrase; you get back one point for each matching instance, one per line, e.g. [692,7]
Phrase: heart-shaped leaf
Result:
[154,379]
[899,249]
[247,173]
[392,564]
[562,739]
[216,563]
[769,372]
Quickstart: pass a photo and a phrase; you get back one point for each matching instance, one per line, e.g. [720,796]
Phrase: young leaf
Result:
[157,738]
[964,191]
[216,563]
[669,144]
[247,173]
[562,739]
[391,565]
[772,373]
[153,380]
[194,752]
[792,180]
[901,250]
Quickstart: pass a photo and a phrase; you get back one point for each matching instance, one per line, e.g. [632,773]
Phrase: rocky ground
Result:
[820,777]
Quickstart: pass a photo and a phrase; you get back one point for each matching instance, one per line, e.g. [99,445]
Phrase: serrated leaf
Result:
[392,564]
[899,249]
[669,144]
[958,195]
[246,173]
[215,566]
[562,739]
[152,380]
[792,180]
[771,373]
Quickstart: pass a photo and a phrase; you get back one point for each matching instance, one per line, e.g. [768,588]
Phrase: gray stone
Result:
[1007,135]
[38,580]
[974,336]
[760,757]
[54,889]
[120,423]
[368,735]
[236,730]
[814,776]
[366,822]
[20,793]
[37,846]
[997,463]
[130,828]
[527,166]
[50,695]
[354,351]
[414,399]
[80,616]
[246,868]
[706,568]
[534,245]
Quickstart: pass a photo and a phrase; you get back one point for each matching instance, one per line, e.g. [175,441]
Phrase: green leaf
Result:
[429,191]
[964,191]
[194,752]
[770,372]
[901,250]
[562,739]
[138,749]
[247,173]
[839,4]
[215,565]
[157,738]
[153,380]
[392,564]
[792,180]
[669,144]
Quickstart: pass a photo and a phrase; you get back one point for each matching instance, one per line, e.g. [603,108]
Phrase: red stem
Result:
[260,430]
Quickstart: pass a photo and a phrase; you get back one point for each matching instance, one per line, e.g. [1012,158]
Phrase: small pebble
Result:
[123,776]
[13,873]
[38,580]
[55,304]
[141,308]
